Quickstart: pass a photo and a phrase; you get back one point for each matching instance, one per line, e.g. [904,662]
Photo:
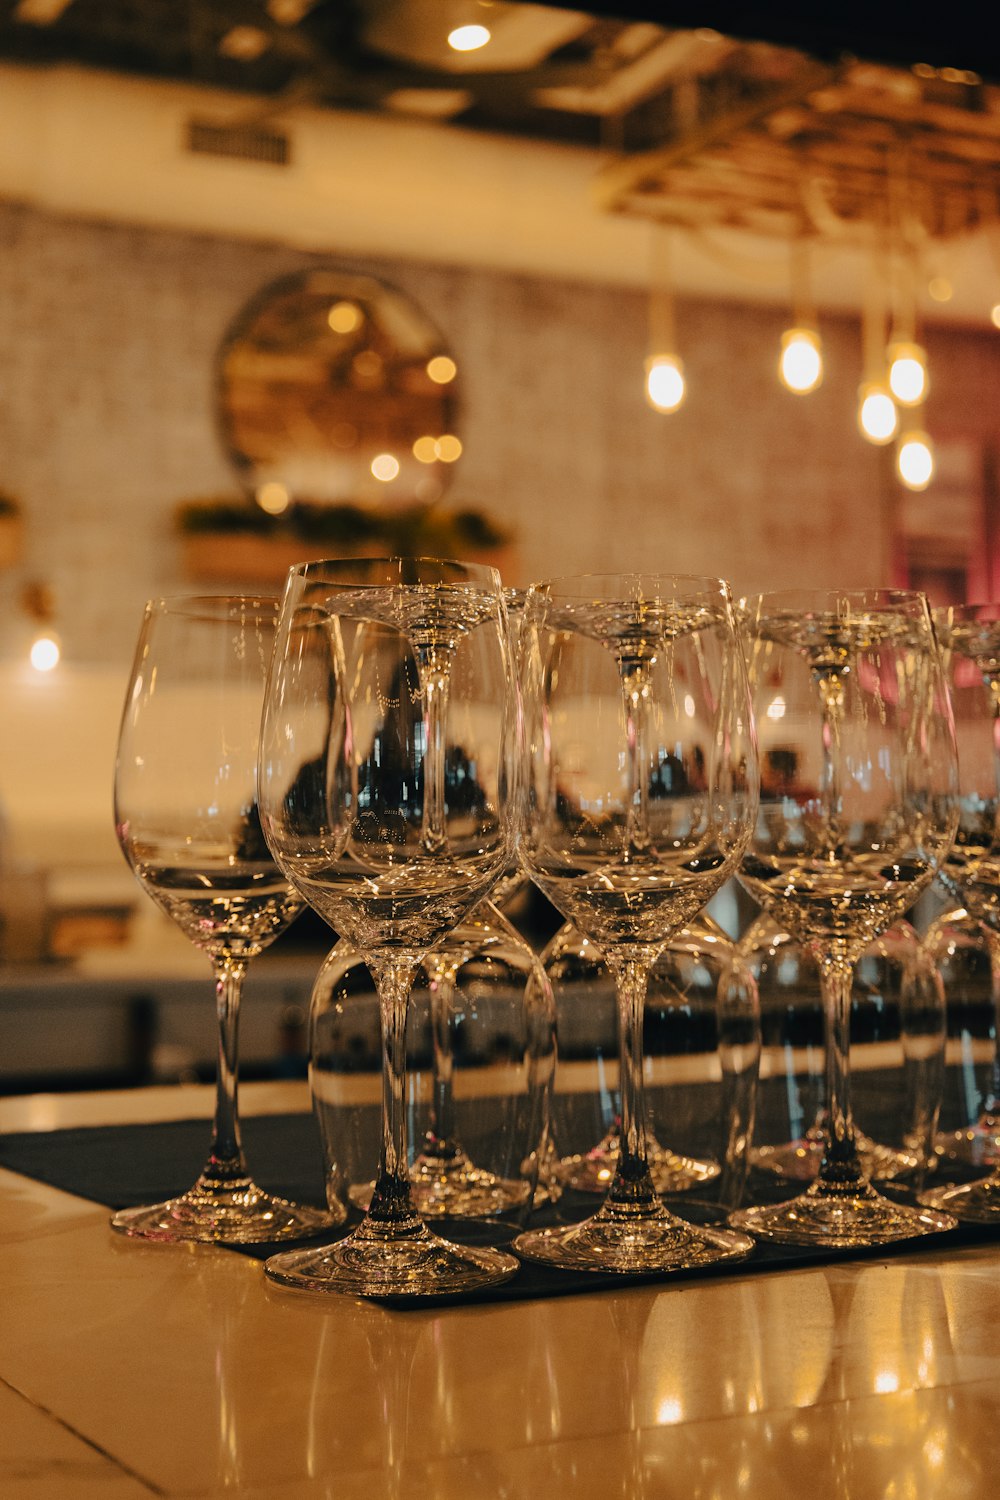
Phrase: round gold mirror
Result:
[335,388]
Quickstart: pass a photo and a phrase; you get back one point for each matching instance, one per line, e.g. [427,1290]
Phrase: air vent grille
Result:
[239,142]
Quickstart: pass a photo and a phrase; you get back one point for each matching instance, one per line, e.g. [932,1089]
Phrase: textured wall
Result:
[107,339]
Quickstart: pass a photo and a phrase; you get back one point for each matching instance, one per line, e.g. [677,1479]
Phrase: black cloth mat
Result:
[122,1166]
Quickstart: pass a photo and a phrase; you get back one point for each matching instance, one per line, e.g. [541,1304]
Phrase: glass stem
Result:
[632,1187]
[435,680]
[226,1163]
[391,1202]
[636,715]
[440,1132]
[990,1109]
[841,1166]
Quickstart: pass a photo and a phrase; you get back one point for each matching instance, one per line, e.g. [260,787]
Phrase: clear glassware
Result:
[187,818]
[386,757]
[701,1026]
[970,637]
[897,1035]
[970,640]
[858,809]
[480,1062]
[963,950]
[641,791]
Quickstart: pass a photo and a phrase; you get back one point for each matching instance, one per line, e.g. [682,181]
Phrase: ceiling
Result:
[703,127]
[852,124]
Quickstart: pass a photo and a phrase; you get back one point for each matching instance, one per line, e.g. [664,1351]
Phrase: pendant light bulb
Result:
[468,38]
[800,366]
[915,460]
[878,419]
[908,380]
[665,383]
[45,651]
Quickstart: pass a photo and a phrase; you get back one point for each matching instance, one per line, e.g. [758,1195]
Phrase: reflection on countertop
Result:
[139,1369]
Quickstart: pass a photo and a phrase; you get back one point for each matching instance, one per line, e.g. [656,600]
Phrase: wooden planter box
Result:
[233,556]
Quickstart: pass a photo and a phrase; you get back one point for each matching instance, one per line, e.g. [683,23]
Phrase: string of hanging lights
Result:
[896,162]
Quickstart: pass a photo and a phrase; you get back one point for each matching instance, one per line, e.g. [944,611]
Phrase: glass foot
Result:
[978,1144]
[234,1213]
[655,1241]
[976,1202]
[800,1160]
[453,1187]
[840,1217]
[390,1261]
[592,1171]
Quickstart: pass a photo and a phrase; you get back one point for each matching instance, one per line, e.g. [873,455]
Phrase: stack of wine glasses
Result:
[386,785]
[970,638]
[640,795]
[408,766]
[850,687]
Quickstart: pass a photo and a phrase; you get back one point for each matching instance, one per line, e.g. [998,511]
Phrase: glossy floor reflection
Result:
[172,1370]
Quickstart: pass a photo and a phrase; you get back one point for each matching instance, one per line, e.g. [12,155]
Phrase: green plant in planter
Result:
[416,530]
[432,531]
[198,517]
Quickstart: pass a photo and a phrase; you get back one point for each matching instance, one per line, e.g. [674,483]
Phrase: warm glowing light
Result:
[669,1412]
[995,315]
[877,415]
[448,448]
[908,373]
[44,653]
[468,38]
[367,367]
[344,317]
[245,43]
[915,460]
[425,450]
[385,466]
[274,497]
[940,288]
[776,708]
[665,384]
[442,369]
[800,366]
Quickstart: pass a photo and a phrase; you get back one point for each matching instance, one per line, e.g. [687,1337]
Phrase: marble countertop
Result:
[131,1370]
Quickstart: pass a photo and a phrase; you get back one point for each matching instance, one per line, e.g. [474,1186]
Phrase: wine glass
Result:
[697,982]
[187,821]
[444,1180]
[386,755]
[898,1023]
[478,1117]
[857,812]
[640,795]
[970,640]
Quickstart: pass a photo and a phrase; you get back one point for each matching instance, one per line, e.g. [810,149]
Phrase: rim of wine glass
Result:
[596,585]
[214,607]
[348,572]
[819,600]
[987,610]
